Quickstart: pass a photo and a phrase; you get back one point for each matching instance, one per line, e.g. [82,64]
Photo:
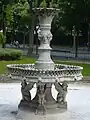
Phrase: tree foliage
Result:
[74,13]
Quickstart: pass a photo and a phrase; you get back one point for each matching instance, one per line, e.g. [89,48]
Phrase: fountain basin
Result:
[61,71]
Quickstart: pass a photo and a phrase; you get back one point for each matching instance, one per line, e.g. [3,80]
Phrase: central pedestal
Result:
[45,17]
[44,61]
[43,102]
[54,115]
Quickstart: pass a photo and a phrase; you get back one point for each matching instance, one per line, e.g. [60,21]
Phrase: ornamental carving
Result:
[25,90]
[41,89]
[62,91]
[44,38]
[45,11]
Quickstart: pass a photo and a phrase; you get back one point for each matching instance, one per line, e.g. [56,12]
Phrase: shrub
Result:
[10,54]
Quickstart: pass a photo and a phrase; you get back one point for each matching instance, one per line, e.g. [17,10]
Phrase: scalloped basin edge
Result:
[61,71]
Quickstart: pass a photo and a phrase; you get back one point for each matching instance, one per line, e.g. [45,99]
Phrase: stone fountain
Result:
[44,73]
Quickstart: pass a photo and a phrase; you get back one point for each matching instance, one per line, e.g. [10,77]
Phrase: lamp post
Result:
[75,46]
[75,40]
[74,37]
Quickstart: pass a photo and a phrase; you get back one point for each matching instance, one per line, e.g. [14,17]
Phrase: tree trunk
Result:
[3,23]
[24,36]
[76,45]
[31,35]
[36,43]
[74,42]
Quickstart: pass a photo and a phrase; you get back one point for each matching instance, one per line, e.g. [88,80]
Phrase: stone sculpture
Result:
[40,35]
[62,91]
[25,90]
[41,88]
[45,38]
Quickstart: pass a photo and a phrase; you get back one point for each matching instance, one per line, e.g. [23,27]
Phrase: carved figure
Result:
[40,35]
[25,90]
[49,37]
[44,38]
[62,91]
[41,97]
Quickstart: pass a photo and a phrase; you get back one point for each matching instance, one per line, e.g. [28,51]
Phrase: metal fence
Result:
[59,52]
[83,53]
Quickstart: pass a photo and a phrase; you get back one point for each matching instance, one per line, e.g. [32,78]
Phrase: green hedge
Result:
[10,54]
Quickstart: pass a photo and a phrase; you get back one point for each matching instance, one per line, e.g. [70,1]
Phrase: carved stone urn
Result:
[45,18]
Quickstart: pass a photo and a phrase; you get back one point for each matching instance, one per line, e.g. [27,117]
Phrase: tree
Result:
[22,18]
[2,38]
[18,18]
[73,13]
[4,4]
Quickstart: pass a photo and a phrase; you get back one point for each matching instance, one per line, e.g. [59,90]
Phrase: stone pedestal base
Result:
[43,102]
[50,108]
[58,114]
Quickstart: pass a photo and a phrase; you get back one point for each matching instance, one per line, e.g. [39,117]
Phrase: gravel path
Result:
[78,99]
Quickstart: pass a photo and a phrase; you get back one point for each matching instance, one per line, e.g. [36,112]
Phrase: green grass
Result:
[26,60]
[3,68]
